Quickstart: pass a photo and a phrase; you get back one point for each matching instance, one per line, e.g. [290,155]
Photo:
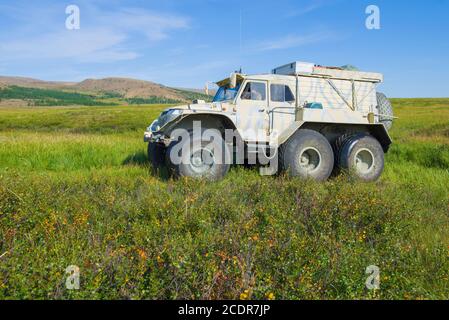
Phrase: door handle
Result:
[261,110]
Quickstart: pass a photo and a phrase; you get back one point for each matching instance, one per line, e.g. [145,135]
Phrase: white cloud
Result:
[310,7]
[156,26]
[79,44]
[103,37]
[292,41]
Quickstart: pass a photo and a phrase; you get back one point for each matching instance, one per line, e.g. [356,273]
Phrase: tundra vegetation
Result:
[76,189]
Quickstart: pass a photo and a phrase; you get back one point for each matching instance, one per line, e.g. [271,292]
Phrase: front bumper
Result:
[158,138]
[154,134]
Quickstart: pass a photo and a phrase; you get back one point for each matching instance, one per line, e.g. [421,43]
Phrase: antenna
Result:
[240,30]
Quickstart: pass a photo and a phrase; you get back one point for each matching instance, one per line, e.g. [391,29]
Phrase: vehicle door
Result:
[282,106]
[252,111]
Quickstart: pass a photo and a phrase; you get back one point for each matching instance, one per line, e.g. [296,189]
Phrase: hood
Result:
[203,106]
[172,113]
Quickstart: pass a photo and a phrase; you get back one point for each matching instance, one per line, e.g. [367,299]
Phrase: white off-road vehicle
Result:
[309,118]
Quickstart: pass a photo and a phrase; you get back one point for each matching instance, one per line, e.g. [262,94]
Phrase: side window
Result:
[254,91]
[281,93]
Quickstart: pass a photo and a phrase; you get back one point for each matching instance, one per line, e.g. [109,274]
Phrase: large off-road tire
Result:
[307,154]
[204,159]
[362,156]
[337,145]
[385,110]
[156,155]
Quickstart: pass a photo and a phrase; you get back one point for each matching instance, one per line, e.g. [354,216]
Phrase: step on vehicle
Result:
[315,120]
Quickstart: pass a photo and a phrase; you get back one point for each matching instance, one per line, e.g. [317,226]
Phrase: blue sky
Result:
[185,43]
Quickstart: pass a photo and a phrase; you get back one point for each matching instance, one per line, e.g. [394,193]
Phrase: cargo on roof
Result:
[311,69]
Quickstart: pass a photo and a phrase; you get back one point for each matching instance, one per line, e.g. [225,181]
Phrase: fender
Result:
[379,132]
[208,120]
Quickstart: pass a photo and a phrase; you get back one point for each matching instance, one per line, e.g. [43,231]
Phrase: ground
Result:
[76,189]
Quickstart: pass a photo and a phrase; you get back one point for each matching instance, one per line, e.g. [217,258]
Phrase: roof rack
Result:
[299,68]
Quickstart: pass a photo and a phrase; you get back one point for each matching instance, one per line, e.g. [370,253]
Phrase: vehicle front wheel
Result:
[200,158]
[156,155]
[363,156]
[308,154]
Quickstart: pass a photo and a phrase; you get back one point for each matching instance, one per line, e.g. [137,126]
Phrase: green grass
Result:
[82,120]
[75,189]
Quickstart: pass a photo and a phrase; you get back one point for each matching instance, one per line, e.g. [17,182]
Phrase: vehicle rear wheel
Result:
[202,158]
[307,154]
[363,156]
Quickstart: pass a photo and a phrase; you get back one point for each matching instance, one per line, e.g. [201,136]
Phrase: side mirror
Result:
[233,80]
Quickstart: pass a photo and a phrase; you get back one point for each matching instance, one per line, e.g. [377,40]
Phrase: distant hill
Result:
[129,88]
[212,91]
[92,92]
[32,83]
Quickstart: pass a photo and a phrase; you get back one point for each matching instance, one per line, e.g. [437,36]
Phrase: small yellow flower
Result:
[244,295]
[271,296]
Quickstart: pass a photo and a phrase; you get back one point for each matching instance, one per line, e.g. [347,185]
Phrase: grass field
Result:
[75,189]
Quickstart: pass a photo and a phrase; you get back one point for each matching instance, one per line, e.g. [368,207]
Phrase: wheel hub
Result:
[364,161]
[310,159]
[202,161]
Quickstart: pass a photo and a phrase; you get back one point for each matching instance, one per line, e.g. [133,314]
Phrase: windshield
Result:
[225,93]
